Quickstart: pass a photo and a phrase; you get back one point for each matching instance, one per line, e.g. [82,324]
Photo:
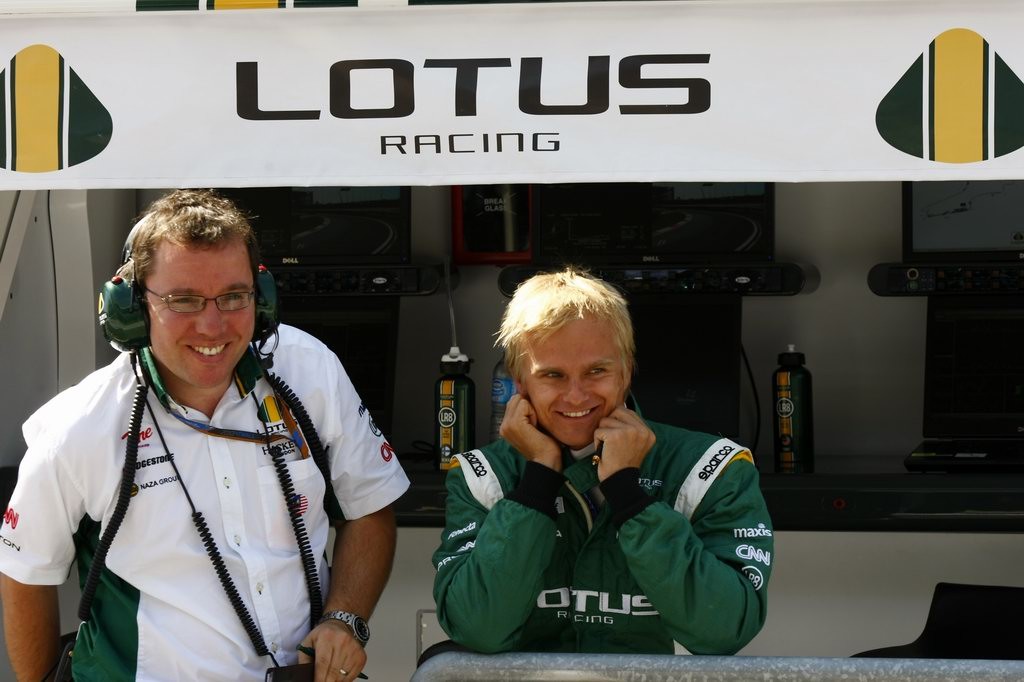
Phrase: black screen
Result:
[670,222]
[689,378]
[963,221]
[974,367]
[363,333]
[328,225]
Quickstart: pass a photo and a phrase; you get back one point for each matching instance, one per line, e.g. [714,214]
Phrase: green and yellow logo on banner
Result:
[51,120]
[958,102]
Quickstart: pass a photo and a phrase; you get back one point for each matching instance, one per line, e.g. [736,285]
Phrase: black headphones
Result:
[125,322]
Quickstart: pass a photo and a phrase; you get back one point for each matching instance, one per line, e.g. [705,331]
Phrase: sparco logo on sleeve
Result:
[478,467]
[462,531]
[712,466]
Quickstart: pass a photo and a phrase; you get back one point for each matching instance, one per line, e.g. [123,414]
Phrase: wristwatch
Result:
[359,627]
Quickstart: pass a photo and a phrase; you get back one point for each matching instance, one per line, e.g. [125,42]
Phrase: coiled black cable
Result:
[248,622]
[319,455]
[316,448]
[124,496]
[316,600]
[206,537]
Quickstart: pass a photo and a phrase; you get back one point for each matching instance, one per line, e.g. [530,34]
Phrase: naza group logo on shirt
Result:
[959,102]
[51,120]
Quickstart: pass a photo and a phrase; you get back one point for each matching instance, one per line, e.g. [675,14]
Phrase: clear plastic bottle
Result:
[502,389]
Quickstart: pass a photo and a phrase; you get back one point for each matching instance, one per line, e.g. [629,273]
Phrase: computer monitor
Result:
[660,222]
[328,225]
[688,372]
[974,367]
[963,221]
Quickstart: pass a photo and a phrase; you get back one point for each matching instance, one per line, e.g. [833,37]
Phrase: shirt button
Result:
[273,647]
[238,540]
[227,482]
[259,588]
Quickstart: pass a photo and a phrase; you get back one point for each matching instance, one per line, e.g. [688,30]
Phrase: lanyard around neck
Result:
[231,434]
[293,433]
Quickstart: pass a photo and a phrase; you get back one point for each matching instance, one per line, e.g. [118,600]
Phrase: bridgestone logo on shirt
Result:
[712,466]
[151,461]
[478,467]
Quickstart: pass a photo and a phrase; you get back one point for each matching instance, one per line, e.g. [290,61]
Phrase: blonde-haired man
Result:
[585,527]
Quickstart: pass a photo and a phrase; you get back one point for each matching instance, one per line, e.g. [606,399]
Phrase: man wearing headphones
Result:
[194,486]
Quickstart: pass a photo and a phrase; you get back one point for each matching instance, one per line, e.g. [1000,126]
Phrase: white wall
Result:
[49,338]
[28,334]
[865,352]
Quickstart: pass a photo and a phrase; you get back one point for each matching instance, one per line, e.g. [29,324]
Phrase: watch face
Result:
[361,629]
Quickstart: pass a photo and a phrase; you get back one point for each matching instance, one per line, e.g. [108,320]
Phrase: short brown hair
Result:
[199,218]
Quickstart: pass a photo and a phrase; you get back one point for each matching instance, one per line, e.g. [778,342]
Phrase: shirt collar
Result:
[585,452]
[248,371]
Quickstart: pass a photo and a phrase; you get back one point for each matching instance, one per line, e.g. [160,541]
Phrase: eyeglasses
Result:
[189,303]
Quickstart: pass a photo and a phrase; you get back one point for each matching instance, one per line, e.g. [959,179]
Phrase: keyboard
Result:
[966,455]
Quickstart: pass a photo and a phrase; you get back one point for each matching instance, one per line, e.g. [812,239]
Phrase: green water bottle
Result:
[454,398]
[793,419]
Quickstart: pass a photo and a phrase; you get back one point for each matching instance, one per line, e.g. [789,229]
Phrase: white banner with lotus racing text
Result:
[758,90]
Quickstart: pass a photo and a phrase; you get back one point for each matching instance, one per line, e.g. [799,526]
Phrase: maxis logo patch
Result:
[959,102]
[51,119]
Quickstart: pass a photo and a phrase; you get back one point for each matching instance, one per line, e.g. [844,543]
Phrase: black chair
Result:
[968,622]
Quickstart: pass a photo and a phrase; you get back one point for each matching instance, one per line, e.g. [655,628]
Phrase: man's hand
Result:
[363,552]
[337,650]
[627,440]
[519,428]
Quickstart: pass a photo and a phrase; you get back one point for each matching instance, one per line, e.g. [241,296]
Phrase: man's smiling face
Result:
[574,378]
[197,352]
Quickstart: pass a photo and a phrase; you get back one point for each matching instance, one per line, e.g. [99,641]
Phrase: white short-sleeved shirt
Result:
[164,604]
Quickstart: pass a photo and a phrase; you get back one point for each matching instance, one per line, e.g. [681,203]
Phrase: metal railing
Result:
[527,667]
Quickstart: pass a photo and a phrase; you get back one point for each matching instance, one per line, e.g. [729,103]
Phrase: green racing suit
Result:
[535,560]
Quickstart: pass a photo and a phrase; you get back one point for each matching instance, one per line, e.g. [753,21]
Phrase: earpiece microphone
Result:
[121,315]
